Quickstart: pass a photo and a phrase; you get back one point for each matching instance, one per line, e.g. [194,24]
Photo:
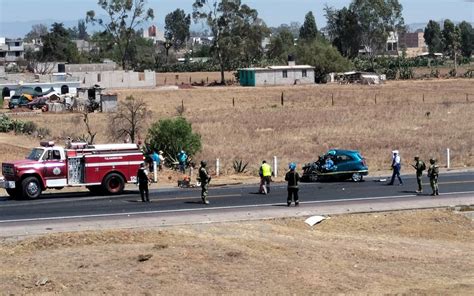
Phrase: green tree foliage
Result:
[57,46]
[309,31]
[281,45]
[323,57]
[451,38]
[236,30]
[377,18]
[82,30]
[467,38]
[142,53]
[177,25]
[121,21]
[130,119]
[433,37]
[344,31]
[172,136]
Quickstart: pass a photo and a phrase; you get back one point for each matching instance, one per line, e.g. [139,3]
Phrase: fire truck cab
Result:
[104,168]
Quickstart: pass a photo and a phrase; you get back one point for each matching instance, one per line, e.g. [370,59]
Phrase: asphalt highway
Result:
[54,205]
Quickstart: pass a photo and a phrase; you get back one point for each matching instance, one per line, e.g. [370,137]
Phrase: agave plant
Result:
[239,166]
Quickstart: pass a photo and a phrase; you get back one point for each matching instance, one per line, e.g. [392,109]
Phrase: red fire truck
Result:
[101,168]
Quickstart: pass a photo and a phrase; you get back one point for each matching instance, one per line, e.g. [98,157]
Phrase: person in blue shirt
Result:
[182,159]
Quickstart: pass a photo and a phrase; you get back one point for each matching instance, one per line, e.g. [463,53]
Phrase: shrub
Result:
[173,135]
[239,166]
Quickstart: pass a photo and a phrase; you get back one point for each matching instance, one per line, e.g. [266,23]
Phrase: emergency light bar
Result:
[47,143]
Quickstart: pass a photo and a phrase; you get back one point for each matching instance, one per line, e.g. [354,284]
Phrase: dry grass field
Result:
[172,78]
[425,252]
[372,119]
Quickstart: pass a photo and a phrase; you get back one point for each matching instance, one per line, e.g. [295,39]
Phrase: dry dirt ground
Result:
[426,252]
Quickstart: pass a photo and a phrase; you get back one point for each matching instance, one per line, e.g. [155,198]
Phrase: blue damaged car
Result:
[336,164]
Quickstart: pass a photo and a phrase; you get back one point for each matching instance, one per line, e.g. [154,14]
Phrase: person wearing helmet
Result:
[204,178]
[419,166]
[396,167]
[142,181]
[433,172]
[182,160]
[292,177]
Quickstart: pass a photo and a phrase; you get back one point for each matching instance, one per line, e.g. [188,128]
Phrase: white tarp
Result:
[313,220]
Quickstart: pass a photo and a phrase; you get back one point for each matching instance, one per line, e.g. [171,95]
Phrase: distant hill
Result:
[19,29]
[421,26]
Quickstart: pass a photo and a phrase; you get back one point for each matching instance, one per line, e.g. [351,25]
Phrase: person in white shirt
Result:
[396,166]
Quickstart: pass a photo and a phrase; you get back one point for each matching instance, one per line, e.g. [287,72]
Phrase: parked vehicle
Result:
[101,168]
[346,164]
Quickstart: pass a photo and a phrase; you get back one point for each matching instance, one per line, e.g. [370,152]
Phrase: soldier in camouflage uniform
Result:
[204,178]
[419,166]
[433,172]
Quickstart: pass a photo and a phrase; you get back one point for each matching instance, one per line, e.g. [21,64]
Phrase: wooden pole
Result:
[233,102]
[375,99]
[282,98]
[423,98]
[182,105]
[332,99]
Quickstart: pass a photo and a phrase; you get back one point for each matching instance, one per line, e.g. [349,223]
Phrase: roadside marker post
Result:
[448,160]
[275,166]
[217,167]
[155,172]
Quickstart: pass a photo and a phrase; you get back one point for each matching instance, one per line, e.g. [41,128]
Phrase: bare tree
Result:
[129,120]
[90,135]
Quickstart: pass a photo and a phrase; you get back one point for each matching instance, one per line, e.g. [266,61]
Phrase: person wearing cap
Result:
[292,177]
[162,160]
[204,178]
[396,167]
[419,166]
[265,173]
[433,172]
[142,181]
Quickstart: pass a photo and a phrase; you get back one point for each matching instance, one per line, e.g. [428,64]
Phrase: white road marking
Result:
[218,208]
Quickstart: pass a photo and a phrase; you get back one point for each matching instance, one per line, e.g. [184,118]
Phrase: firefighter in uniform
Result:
[419,166]
[204,178]
[433,172]
[142,180]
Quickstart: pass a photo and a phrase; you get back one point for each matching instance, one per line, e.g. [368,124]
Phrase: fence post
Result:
[375,99]
[282,98]
[233,102]
[275,166]
[155,172]
[332,99]
[448,158]
[217,167]
[423,98]
[182,105]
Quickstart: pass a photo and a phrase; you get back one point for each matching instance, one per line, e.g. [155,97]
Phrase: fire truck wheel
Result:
[113,184]
[31,188]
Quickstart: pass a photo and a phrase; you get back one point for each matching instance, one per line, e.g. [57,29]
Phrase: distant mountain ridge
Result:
[19,29]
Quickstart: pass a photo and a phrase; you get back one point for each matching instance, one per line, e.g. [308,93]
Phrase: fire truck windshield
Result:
[35,154]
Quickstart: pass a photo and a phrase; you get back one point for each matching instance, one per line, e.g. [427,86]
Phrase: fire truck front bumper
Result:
[7,184]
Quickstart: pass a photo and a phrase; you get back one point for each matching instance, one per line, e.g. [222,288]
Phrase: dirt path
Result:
[410,252]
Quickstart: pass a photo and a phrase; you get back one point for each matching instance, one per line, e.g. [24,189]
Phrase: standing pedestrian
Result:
[142,180]
[396,167]
[419,166]
[205,179]
[433,172]
[162,160]
[292,177]
[182,159]
[265,173]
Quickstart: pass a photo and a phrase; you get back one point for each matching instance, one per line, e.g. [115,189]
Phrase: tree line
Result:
[237,34]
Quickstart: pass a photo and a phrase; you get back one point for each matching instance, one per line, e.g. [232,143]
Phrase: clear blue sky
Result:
[273,12]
